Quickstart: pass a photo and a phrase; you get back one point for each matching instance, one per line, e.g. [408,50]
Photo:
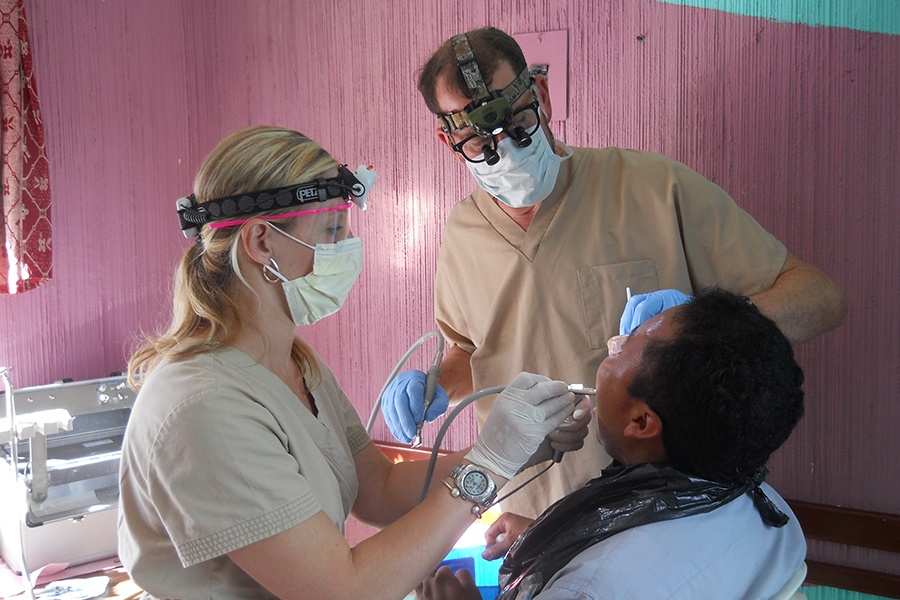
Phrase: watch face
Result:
[475,483]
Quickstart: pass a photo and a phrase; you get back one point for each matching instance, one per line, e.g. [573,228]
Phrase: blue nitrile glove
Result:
[402,404]
[644,306]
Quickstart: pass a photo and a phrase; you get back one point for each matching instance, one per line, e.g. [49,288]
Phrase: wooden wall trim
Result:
[848,526]
[849,578]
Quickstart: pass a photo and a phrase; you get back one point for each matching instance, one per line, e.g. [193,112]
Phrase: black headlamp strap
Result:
[465,58]
[191,216]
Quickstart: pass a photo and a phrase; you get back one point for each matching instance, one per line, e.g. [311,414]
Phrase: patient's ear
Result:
[645,424]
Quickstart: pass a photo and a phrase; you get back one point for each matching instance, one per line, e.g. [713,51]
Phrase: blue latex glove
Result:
[644,306]
[402,404]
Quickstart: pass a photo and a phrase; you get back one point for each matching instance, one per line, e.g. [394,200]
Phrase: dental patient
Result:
[690,409]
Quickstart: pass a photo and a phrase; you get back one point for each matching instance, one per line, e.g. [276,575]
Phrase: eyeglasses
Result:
[326,226]
[523,124]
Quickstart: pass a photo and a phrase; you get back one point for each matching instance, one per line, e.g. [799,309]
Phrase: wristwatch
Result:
[474,484]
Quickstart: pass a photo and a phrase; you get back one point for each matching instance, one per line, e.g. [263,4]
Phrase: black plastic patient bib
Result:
[622,498]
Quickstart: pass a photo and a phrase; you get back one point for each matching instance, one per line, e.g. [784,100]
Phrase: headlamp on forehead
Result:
[490,113]
[353,187]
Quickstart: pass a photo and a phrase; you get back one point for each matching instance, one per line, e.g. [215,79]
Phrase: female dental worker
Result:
[242,457]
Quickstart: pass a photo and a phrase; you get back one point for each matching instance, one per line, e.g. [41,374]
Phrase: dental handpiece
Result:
[431,383]
[579,389]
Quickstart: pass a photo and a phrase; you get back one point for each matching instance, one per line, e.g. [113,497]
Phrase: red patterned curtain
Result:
[25,255]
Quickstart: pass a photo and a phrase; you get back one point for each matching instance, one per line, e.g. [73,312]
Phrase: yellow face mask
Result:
[336,267]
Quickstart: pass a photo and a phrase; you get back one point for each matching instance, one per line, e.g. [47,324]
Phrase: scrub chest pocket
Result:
[603,295]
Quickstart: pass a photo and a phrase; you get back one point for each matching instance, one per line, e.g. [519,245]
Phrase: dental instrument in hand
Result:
[370,424]
[431,383]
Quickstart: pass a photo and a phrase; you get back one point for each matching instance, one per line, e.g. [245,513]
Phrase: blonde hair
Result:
[205,312]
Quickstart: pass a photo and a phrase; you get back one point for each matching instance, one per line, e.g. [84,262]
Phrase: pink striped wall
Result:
[798,123]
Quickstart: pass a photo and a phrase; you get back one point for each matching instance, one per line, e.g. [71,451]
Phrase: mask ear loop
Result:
[275,270]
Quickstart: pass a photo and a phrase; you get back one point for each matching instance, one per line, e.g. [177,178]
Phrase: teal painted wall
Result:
[828,593]
[881,16]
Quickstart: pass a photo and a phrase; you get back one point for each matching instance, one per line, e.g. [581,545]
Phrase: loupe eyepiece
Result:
[522,137]
[490,155]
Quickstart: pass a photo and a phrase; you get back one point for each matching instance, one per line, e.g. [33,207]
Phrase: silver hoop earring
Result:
[274,269]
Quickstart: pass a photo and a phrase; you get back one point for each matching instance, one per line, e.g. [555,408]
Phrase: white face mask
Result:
[523,176]
[336,267]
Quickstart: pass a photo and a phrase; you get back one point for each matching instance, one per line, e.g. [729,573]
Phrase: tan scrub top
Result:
[547,300]
[218,454]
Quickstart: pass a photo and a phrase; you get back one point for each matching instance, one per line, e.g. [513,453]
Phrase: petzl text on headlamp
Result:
[490,113]
[353,187]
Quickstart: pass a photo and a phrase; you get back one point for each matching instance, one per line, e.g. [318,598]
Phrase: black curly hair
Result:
[726,387]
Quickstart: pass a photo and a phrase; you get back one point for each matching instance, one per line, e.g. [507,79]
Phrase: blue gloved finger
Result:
[415,403]
[396,404]
[649,306]
[666,299]
[626,323]
[389,411]
[395,429]
[678,298]
[439,404]
[645,306]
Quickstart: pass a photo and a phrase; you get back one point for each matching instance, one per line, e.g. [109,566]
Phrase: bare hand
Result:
[502,533]
[444,585]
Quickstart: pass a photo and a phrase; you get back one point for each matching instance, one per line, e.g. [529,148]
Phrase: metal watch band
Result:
[481,502]
[477,509]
